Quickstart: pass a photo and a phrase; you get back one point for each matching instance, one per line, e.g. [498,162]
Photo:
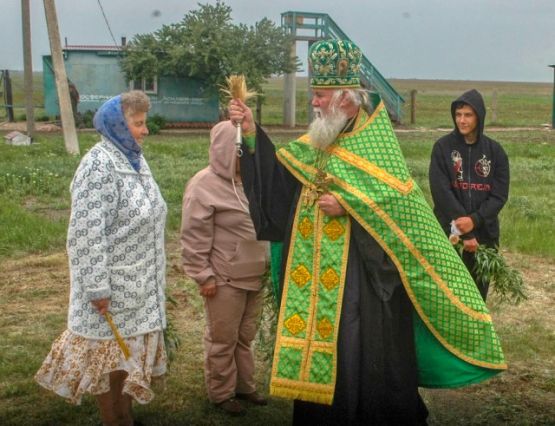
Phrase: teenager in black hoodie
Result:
[469,180]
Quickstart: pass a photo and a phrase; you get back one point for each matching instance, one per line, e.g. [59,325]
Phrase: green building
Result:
[97,75]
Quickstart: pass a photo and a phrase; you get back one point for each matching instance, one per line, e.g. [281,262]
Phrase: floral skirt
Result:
[77,365]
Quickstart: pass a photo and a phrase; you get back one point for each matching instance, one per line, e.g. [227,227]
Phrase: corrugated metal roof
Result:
[110,48]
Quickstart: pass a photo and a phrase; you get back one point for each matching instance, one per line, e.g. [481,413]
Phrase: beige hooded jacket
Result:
[217,235]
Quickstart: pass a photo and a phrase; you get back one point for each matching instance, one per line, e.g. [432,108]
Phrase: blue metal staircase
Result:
[307,26]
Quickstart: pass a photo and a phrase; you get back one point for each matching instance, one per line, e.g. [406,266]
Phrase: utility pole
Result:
[27,68]
[8,95]
[289,91]
[66,113]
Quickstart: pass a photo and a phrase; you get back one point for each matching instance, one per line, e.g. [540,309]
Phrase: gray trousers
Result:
[231,323]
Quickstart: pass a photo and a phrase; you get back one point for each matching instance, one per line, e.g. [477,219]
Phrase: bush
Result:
[155,123]
[42,117]
[37,117]
[153,128]
[158,120]
[87,119]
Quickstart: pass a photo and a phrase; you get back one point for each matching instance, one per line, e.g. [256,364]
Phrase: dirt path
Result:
[48,275]
[35,287]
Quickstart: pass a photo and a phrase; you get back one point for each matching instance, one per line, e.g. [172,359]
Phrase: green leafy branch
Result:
[506,282]
[172,340]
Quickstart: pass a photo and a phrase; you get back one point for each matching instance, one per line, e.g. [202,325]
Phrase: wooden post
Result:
[553,101]
[289,93]
[9,95]
[309,109]
[494,107]
[28,68]
[68,122]
[413,106]
[259,110]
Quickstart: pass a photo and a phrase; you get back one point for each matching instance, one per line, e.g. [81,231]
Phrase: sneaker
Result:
[253,397]
[232,407]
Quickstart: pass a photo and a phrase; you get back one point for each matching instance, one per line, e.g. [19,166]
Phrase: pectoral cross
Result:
[321,183]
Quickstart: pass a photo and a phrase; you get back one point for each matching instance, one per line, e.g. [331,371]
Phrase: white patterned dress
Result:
[115,247]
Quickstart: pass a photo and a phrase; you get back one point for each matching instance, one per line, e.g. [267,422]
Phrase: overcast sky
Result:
[506,40]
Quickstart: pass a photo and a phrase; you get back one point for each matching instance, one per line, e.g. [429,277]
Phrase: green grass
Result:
[24,231]
[34,185]
[18,95]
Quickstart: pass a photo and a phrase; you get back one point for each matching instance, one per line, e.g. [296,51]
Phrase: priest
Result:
[374,300]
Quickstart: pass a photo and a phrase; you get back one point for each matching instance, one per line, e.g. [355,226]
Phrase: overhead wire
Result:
[108,25]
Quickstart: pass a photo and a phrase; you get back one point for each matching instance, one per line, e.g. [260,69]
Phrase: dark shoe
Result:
[232,407]
[253,397]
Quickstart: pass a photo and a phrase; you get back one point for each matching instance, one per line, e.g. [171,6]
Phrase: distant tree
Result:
[207,45]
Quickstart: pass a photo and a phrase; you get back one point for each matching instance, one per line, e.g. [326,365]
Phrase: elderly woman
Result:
[221,254]
[115,246]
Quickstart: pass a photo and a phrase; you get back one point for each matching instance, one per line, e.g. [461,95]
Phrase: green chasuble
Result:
[365,170]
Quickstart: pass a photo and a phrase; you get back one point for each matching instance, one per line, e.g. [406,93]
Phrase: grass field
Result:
[34,208]
[518,104]
[19,95]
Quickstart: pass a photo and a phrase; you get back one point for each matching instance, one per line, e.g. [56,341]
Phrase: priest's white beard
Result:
[324,129]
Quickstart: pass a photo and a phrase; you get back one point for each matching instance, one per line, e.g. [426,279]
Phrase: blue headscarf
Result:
[110,122]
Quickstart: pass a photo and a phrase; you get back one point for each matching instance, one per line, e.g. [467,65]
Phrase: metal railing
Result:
[308,26]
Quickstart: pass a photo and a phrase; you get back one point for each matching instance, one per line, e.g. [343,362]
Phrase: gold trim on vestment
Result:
[412,296]
[297,168]
[394,227]
[310,329]
[361,164]
[363,121]
[415,252]
[373,170]
[282,310]
[310,343]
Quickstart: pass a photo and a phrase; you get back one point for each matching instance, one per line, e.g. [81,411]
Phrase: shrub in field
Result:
[158,120]
[42,117]
[87,119]
[153,128]
[155,123]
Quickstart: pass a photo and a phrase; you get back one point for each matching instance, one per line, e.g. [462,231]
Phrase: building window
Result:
[147,85]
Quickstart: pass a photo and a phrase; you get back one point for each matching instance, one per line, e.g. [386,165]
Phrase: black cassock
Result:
[376,365]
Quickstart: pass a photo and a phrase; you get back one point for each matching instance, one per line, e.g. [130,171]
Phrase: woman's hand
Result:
[330,206]
[208,289]
[101,305]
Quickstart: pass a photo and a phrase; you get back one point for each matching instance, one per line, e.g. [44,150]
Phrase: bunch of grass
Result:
[237,88]
[172,341]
